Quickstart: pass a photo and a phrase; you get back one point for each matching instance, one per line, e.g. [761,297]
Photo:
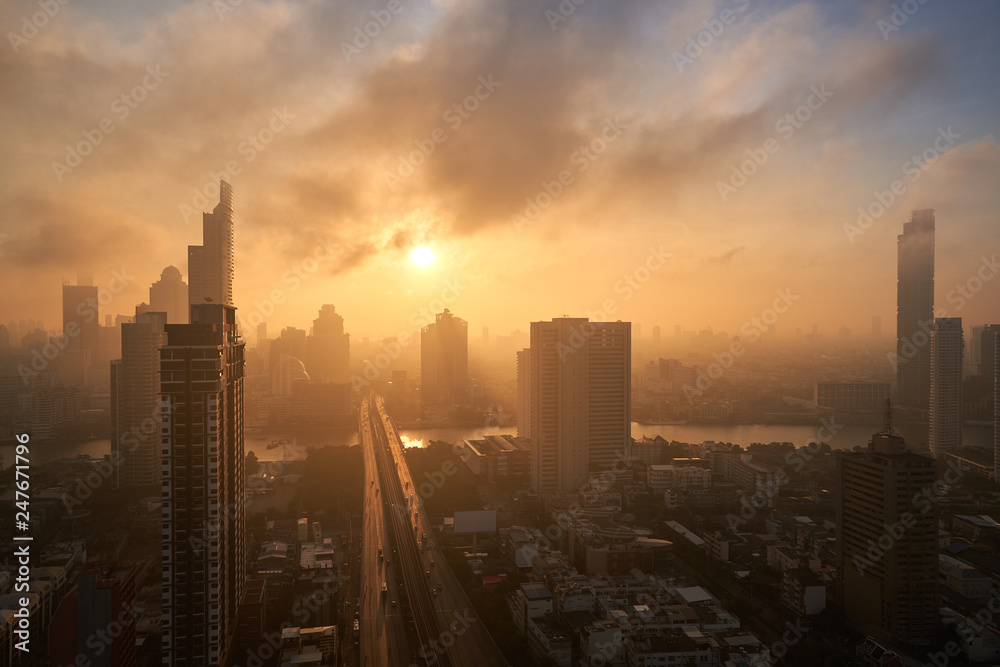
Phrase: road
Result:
[383,639]
[463,638]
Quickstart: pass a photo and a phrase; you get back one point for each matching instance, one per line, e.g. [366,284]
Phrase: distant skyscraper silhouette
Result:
[169,295]
[203,525]
[915,312]
[135,401]
[81,329]
[945,415]
[444,361]
[887,555]
[656,334]
[579,388]
[211,266]
[328,349]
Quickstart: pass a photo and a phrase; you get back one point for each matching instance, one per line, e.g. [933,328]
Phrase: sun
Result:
[421,256]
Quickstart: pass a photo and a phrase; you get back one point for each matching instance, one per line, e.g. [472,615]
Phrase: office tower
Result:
[579,383]
[135,401]
[887,556]
[876,327]
[656,334]
[486,336]
[211,266]
[444,361]
[524,393]
[81,330]
[261,334]
[915,312]
[987,353]
[946,386]
[169,295]
[328,349]
[201,387]
[95,623]
[996,406]
[974,358]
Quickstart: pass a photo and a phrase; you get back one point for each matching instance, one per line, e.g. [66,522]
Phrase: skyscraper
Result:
[96,620]
[135,401]
[915,312]
[328,349]
[887,556]
[987,353]
[579,379]
[946,386]
[444,361]
[211,266]
[169,295]
[524,393]
[81,330]
[204,572]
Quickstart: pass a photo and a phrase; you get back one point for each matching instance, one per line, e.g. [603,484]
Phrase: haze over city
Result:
[547,333]
[228,71]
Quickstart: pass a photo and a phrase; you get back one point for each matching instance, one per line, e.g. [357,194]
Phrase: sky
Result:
[663,163]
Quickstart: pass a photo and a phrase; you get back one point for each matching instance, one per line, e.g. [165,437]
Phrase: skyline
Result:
[670,131]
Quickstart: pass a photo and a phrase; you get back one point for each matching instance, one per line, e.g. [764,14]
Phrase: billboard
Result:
[480,521]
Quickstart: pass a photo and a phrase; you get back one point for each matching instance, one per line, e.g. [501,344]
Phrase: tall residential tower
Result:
[211,266]
[915,313]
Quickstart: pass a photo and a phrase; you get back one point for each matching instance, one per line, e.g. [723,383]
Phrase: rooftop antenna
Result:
[887,429]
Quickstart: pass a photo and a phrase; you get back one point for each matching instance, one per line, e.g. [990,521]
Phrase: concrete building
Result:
[580,400]
[498,457]
[135,401]
[81,331]
[947,343]
[892,595]
[328,348]
[964,579]
[444,361]
[102,605]
[204,569]
[915,312]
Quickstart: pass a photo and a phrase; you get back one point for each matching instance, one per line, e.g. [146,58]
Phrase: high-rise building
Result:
[291,342]
[996,406]
[169,295]
[135,401]
[656,334]
[524,393]
[915,313]
[95,623]
[81,331]
[945,416]
[211,266]
[328,349]
[579,381]
[887,555]
[444,361]
[987,353]
[203,526]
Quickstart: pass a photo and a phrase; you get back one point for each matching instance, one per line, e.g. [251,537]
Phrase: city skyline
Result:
[664,189]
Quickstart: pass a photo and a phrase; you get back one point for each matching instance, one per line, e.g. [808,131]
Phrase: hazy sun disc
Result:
[422,256]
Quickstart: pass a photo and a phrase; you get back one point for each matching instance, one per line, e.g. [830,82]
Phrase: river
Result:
[846,437]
